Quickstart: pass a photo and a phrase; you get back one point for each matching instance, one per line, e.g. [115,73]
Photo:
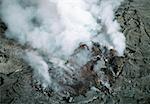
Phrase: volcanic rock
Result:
[132,85]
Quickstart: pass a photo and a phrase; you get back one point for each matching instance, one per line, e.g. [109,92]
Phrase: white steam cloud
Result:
[41,67]
[56,27]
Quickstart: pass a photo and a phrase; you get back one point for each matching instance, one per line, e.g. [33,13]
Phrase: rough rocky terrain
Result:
[132,86]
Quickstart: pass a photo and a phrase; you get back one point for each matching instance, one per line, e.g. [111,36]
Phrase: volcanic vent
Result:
[75,77]
[71,45]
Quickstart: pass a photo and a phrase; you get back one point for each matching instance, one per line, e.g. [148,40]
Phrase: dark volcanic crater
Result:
[130,84]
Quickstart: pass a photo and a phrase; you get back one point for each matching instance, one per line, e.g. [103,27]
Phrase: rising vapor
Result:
[55,28]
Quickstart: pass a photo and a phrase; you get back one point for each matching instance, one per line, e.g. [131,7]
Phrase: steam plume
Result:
[56,28]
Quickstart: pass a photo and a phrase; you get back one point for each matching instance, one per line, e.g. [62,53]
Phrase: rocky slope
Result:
[132,86]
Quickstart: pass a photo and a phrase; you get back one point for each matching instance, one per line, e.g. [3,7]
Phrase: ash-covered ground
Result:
[132,85]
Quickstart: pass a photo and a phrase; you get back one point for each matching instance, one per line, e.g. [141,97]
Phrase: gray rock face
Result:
[132,86]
